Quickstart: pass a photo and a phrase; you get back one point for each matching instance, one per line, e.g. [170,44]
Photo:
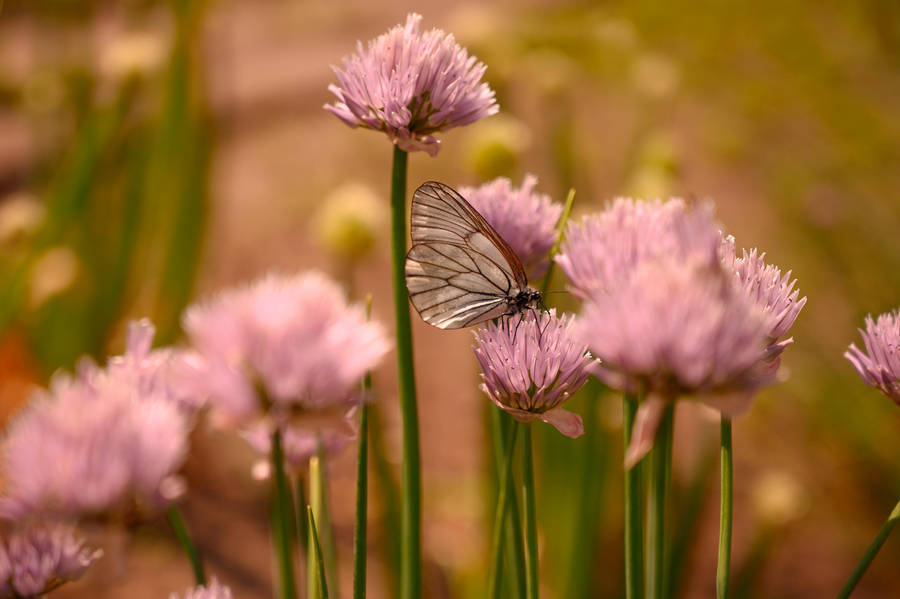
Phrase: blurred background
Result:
[153,152]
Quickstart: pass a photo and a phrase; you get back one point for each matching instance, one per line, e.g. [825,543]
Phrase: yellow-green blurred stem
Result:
[723,571]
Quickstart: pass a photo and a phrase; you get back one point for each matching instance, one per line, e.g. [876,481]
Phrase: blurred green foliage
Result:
[125,191]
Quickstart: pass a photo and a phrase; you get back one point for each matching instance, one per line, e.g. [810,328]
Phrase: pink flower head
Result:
[150,372]
[37,558]
[531,365]
[604,249]
[411,85]
[879,365]
[87,448]
[213,590]
[294,338]
[765,284]
[673,329]
[525,219]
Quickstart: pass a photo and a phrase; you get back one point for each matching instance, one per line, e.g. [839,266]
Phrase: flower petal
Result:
[646,423]
[566,422]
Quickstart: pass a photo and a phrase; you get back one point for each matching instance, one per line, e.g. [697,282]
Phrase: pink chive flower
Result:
[775,292]
[604,249]
[37,558]
[213,590]
[531,365]
[411,85]
[879,365]
[525,219]
[281,346]
[88,448]
[675,329]
[150,372]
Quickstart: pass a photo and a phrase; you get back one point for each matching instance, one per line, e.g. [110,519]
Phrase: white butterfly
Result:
[459,271]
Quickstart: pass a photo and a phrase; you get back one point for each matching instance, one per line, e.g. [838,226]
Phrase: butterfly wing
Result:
[459,271]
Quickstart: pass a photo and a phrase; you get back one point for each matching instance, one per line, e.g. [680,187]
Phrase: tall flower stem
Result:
[500,515]
[870,553]
[657,492]
[502,424]
[181,532]
[410,548]
[723,571]
[633,531]
[531,549]
[282,520]
[362,479]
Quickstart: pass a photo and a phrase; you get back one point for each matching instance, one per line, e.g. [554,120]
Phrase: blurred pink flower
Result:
[879,365]
[604,249]
[213,590]
[531,365]
[300,443]
[37,558]
[411,85]
[674,329]
[525,219]
[86,448]
[292,338]
[150,372]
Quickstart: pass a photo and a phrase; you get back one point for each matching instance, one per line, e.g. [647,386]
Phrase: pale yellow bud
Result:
[351,220]
[20,217]
[52,273]
[495,145]
[779,499]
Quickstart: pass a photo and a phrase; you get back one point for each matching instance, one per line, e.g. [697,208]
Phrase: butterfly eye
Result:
[459,271]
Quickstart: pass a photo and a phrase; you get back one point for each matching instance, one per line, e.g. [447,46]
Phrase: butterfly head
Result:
[527,298]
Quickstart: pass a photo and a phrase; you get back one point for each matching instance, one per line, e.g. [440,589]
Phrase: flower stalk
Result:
[500,514]
[515,552]
[410,548]
[632,490]
[282,520]
[317,572]
[181,533]
[723,571]
[657,495]
[870,553]
[359,531]
[560,230]
[530,528]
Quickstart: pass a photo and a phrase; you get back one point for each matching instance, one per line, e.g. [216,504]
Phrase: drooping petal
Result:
[566,422]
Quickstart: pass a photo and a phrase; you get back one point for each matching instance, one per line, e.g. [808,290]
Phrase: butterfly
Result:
[459,271]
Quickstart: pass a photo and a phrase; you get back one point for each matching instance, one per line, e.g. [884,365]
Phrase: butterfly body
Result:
[459,271]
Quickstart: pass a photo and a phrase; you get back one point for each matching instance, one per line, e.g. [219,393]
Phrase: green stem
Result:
[723,571]
[410,548]
[660,480]
[560,229]
[502,424]
[500,515]
[181,532]
[531,549]
[871,552]
[359,532]
[632,487]
[282,520]
[321,590]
